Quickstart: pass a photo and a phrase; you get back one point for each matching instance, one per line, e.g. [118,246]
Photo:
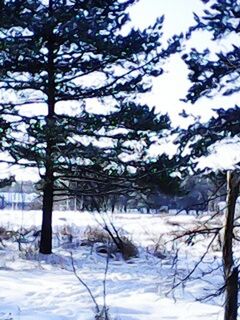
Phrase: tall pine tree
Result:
[58,53]
[210,74]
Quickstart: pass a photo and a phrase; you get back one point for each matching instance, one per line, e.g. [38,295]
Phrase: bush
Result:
[113,241]
[124,245]
[128,248]
[95,234]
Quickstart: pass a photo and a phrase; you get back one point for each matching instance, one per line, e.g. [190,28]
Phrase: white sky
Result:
[173,84]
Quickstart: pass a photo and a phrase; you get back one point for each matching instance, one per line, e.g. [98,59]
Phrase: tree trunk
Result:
[231,300]
[47,208]
[48,188]
[230,272]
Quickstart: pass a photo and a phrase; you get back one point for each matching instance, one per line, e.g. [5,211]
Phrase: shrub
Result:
[124,245]
[128,249]
[95,234]
[113,242]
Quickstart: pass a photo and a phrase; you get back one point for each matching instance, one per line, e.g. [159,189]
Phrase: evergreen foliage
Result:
[219,73]
[212,74]
[58,53]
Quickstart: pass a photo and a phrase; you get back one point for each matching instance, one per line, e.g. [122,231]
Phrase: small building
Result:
[20,195]
[16,200]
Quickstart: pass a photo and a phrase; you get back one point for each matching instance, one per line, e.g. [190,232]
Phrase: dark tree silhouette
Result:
[210,75]
[58,53]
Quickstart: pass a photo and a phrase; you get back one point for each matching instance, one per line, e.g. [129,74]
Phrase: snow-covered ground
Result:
[35,287]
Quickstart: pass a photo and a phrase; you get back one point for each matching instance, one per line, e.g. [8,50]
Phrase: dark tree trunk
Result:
[47,208]
[231,301]
[230,272]
[48,188]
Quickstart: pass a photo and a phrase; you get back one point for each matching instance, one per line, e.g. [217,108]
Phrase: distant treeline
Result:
[199,194]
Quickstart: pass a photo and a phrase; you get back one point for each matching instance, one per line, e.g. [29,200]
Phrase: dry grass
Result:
[113,243]
[96,234]
[128,248]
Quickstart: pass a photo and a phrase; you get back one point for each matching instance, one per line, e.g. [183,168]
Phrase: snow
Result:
[34,286]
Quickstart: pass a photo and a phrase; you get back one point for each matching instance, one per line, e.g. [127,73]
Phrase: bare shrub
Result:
[66,233]
[95,234]
[125,246]
[128,248]
[158,248]
[64,236]
[113,241]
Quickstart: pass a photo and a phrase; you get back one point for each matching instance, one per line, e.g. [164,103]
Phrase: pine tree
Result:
[59,53]
[4,131]
[210,75]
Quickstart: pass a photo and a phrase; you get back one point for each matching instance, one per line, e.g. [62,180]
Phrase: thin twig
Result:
[84,284]
[105,308]
[195,267]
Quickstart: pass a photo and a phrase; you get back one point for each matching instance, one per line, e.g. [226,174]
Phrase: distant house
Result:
[24,195]
[16,200]
[20,195]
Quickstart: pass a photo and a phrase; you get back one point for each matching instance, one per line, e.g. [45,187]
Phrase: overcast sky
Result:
[173,85]
[178,13]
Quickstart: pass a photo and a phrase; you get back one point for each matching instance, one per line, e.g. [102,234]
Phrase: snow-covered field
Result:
[35,287]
